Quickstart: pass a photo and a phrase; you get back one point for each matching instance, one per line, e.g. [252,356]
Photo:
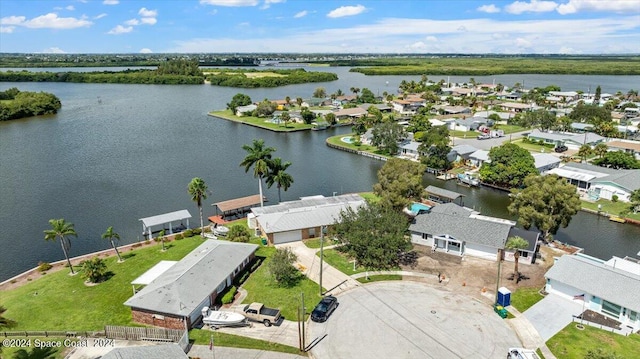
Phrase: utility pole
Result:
[304,311]
[498,279]
[322,229]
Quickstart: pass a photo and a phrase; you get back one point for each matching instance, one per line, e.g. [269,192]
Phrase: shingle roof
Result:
[184,286]
[464,149]
[629,179]
[608,283]
[444,193]
[529,236]
[307,212]
[544,159]
[470,230]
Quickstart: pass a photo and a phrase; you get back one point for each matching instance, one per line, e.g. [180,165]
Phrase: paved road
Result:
[403,319]
[552,313]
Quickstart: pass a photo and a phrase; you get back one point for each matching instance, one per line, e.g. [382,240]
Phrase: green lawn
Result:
[370,197]
[202,337]
[379,278]
[511,128]
[261,288]
[261,122]
[340,262]
[315,242]
[524,298]
[463,134]
[610,207]
[533,147]
[336,140]
[572,343]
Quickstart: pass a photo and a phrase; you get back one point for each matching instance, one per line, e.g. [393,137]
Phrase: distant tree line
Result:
[233,78]
[16,104]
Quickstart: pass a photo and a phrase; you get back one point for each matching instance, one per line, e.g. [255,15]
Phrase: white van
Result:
[521,353]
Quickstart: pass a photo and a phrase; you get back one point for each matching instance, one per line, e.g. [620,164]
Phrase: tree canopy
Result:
[618,160]
[590,114]
[373,235]
[546,202]
[20,104]
[282,269]
[509,166]
[386,135]
[238,100]
[399,183]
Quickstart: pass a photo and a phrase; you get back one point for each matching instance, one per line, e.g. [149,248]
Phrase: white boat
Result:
[468,179]
[221,318]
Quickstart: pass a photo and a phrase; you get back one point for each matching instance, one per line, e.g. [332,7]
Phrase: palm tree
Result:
[277,175]
[517,243]
[61,229]
[288,100]
[584,152]
[355,90]
[111,235]
[601,149]
[198,191]
[299,101]
[285,117]
[161,239]
[258,157]
[36,353]
[94,269]
[6,322]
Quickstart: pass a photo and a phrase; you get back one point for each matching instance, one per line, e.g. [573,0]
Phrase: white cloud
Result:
[432,39]
[491,9]
[302,13]
[267,3]
[148,20]
[100,16]
[120,30]
[146,50]
[54,50]
[132,22]
[346,11]
[229,2]
[520,7]
[462,28]
[48,21]
[70,8]
[144,12]
[568,50]
[111,2]
[619,6]
[7,29]
[418,46]
[520,42]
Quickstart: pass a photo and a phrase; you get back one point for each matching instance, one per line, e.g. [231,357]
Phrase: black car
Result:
[323,310]
[561,148]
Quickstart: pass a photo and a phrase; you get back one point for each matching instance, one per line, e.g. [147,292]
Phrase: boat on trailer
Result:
[220,318]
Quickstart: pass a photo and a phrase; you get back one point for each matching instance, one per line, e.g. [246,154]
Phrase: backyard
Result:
[610,207]
[262,122]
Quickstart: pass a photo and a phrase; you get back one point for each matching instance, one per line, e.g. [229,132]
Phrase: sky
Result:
[321,26]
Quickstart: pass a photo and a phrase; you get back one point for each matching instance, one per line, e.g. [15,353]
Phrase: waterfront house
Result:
[632,147]
[545,162]
[245,110]
[350,113]
[409,149]
[612,288]
[571,140]
[175,295]
[463,152]
[516,106]
[479,157]
[301,219]
[600,182]
[451,229]
[384,108]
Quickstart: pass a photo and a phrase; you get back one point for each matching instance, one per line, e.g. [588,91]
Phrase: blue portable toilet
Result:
[504,297]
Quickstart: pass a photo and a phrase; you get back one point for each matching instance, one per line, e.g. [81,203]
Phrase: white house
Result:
[600,182]
[297,220]
[571,140]
[627,146]
[245,110]
[545,162]
[611,288]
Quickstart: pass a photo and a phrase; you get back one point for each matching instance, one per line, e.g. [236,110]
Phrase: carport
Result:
[552,313]
[163,219]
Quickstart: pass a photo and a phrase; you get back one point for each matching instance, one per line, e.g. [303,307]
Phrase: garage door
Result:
[286,237]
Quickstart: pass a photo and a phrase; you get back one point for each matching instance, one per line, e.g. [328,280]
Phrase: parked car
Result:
[323,310]
[561,148]
[257,312]
[484,136]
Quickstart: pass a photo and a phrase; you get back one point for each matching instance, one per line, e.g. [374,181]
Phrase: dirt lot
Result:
[470,275]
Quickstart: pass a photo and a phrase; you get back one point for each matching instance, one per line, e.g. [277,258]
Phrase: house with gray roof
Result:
[175,298]
[571,140]
[600,182]
[162,351]
[302,219]
[545,162]
[409,149]
[612,288]
[458,230]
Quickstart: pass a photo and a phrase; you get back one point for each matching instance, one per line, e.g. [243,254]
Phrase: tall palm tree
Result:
[161,239]
[258,157]
[277,175]
[112,237]
[61,229]
[198,191]
[6,322]
[601,149]
[517,243]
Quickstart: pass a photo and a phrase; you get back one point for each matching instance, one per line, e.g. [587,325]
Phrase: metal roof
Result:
[443,193]
[575,175]
[237,203]
[544,159]
[154,272]
[308,212]
[165,218]
[611,284]
[185,285]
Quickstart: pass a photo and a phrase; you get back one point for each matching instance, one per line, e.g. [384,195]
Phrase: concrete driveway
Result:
[552,313]
[404,319]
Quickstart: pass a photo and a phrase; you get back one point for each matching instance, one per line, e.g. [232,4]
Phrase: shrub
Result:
[44,266]
[94,269]
[241,279]
[197,231]
[178,236]
[614,198]
[282,269]
[256,263]
[136,245]
[239,233]
[228,296]
[188,233]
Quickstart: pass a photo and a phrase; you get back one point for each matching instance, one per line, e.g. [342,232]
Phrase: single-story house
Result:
[527,255]
[344,99]
[297,220]
[174,298]
[463,152]
[451,110]
[504,116]
[628,146]
[571,140]
[580,127]
[409,149]
[566,96]
[450,228]
[162,351]
[466,124]
[515,106]
[441,195]
[611,288]
[350,113]
[384,108]
[245,110]
[479,157]
[600,182]
[545,162]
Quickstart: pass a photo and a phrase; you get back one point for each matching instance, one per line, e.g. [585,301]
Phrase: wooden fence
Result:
[51,333]
[143,333]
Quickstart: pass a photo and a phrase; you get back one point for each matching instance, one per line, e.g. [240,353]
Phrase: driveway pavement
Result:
[552,313]
[404,319]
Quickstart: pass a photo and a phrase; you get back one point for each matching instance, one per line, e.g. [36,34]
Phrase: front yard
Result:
[262,122]
[572,343]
